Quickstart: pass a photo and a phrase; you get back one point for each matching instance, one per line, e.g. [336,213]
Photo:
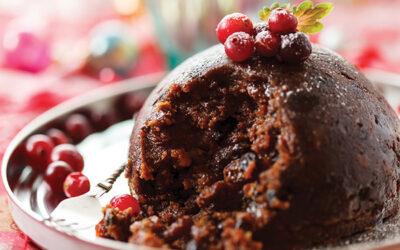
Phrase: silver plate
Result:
[103,152]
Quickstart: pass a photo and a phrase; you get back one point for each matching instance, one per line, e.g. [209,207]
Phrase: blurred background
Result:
[52,50]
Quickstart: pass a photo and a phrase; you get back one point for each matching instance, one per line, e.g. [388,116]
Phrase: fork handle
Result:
[107,184]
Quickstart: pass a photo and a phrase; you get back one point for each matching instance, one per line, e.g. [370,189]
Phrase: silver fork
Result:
[84,211]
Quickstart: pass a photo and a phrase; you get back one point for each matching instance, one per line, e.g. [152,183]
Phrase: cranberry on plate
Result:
[129,104]
[55,174]
[37,151]
[69,154]
[57,136]
[125,201]
[76,184]
[78,127]
[102,119]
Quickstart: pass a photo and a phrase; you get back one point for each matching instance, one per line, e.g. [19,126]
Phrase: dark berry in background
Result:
[78,127]
[101,119]
[129,104]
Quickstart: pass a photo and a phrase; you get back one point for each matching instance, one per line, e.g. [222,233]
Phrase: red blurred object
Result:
[367,56]
[43,100]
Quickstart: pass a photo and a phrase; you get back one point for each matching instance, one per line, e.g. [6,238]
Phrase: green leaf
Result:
[266,11]
[308,16]
[314,28]
[304,6]
[323,9]
[264,15]
[286,6]
[274,5]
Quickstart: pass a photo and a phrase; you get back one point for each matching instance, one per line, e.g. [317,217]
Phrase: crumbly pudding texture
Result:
[259,155]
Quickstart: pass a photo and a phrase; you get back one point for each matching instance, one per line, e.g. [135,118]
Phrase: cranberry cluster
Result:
[53,154]
[60,161]
[279,37]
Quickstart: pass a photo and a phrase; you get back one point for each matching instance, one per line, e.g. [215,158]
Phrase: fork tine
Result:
[57,220]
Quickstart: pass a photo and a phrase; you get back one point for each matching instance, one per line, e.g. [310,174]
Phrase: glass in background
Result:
[185,27]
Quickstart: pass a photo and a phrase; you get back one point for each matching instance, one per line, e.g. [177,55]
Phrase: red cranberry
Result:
[235,22]
[55,174]
[282,21]
[78,127]
[267,43]
[76,184]
[69,154]
[125,201]
[295,47]
[259,27]
[239,46]
[57,136]
[37,151]
[102,119]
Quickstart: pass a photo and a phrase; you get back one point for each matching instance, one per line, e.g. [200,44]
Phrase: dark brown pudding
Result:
[262,154]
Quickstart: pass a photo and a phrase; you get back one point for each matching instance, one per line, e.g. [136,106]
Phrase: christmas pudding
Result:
[275,150]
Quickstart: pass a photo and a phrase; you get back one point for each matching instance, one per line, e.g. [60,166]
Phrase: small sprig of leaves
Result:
[307,14]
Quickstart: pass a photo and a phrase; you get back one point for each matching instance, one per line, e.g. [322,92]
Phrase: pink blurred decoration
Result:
[25,51]
[365,32]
